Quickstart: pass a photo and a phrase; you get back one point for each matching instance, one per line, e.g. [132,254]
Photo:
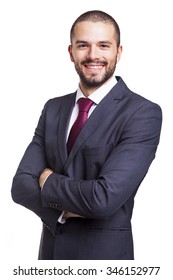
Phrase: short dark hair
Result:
[97,16]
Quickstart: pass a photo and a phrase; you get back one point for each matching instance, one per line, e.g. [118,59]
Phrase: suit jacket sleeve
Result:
[119,177]
[25,187]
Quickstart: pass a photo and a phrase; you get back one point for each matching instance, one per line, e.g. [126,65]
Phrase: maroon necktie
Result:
[84,106]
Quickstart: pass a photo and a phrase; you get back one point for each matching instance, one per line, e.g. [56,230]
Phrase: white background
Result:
[35,66]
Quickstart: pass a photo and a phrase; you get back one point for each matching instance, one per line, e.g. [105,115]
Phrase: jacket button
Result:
[54,205]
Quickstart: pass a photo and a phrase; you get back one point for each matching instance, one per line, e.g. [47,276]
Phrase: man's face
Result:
[94,52]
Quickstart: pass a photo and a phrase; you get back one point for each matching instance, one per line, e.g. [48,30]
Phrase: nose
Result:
[93,52]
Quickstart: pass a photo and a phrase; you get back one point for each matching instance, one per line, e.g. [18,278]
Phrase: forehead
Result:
[93,31]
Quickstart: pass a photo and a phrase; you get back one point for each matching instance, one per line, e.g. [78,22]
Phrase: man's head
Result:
[97,16]
[95,48]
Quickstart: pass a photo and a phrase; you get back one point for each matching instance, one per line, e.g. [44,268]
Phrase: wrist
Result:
[44,175]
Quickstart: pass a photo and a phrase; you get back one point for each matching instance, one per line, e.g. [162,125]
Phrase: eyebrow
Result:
[101,42]
[80,41]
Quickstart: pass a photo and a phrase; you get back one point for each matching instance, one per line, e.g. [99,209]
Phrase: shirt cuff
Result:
[61,220]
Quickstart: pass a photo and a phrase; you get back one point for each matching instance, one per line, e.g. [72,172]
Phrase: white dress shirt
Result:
[96,97]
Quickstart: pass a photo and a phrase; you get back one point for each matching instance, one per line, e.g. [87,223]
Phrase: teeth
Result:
[94,66]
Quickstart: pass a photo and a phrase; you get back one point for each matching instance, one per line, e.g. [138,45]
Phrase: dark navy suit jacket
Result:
[98,180]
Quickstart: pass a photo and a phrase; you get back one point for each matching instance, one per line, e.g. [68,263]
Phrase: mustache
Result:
[98,62]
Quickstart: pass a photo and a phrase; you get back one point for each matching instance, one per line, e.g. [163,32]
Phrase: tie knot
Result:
[85,104]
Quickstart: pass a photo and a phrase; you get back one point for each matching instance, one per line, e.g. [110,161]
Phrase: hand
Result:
[71,215]
[46,172]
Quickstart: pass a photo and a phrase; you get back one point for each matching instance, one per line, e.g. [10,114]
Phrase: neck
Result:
[87,91]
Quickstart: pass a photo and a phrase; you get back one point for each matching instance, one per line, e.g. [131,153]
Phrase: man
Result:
[83,189]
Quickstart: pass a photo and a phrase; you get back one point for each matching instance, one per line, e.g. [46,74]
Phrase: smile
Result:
[94,66]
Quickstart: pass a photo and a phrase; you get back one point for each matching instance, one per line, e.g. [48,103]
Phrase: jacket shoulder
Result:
[57,101]
[136,97]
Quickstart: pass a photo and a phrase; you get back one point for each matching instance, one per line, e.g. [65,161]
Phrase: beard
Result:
[93,81]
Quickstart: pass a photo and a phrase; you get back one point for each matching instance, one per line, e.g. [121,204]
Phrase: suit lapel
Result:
[103,109]
[65,113]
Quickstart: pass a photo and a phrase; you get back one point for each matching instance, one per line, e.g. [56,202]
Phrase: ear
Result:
[119,52]
[70,52]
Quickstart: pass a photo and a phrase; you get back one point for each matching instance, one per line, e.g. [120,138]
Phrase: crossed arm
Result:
[44,175]
[98,198]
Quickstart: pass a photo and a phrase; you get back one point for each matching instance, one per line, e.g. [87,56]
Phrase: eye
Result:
[82,46]
[105,46]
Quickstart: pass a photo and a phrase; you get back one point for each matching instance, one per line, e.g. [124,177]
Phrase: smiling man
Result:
[95,53]
[90,152]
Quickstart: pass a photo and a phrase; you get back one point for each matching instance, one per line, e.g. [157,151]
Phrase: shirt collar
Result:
[100,93]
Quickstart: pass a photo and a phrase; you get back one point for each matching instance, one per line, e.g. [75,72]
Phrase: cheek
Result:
[111,57]
[79,56]
[75,56]
[112,61]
